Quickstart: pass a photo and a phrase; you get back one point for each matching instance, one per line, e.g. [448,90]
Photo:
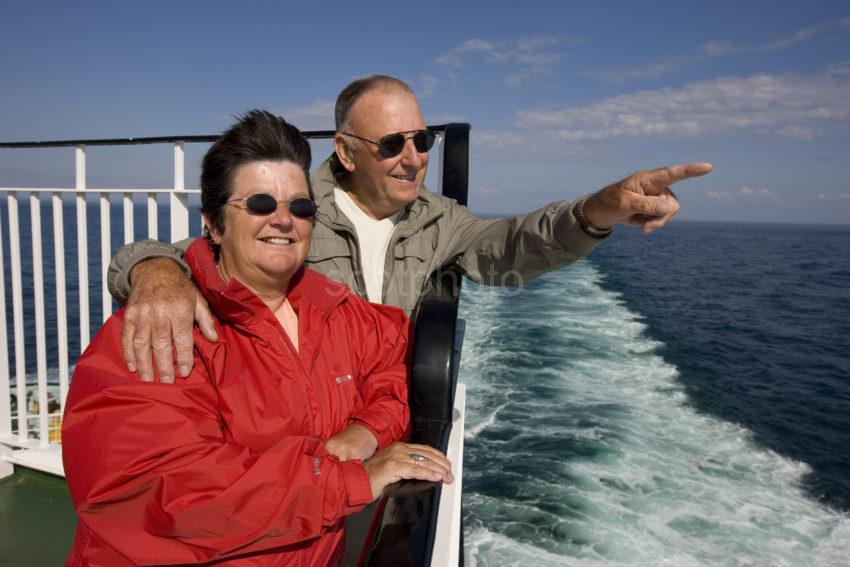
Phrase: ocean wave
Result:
[582,446]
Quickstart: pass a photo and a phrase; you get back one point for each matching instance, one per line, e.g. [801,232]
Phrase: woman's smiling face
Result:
[264,250]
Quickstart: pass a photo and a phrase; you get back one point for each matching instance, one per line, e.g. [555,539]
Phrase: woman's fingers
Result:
[402,461]
[434,460]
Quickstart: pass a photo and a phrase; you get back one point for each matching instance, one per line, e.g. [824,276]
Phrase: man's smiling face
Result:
[383,186]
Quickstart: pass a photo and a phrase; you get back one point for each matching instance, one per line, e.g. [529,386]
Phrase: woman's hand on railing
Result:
[402,461]
[161,310]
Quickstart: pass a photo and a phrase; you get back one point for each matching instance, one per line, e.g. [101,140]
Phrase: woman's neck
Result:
[274,296]
[271,292]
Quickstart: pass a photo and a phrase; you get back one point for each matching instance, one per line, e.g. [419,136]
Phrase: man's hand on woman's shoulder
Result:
[161,310]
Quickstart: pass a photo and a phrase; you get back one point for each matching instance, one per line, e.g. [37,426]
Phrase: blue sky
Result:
[563,97]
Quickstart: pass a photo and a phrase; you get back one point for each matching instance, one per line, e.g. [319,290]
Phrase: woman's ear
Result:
[208,232]
[343,152]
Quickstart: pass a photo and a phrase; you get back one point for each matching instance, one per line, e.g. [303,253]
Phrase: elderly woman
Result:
[286,425]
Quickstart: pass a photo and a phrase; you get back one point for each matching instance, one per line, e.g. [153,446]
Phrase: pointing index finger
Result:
[664,176]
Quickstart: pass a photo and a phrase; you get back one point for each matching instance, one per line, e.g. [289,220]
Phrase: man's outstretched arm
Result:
[162,303]
[517,249]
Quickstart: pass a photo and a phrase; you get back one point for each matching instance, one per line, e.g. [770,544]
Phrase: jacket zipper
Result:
[307,372]
[358,269]
[303,373]
[388,275]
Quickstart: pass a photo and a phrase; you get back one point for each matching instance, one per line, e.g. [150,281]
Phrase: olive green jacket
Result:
[433,232]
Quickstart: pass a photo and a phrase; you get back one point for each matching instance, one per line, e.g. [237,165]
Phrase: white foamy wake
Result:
[622,470]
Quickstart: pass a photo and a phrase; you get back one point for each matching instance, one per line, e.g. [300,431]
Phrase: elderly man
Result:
[381,232]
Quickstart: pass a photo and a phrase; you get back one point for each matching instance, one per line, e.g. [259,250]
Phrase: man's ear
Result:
[343,152]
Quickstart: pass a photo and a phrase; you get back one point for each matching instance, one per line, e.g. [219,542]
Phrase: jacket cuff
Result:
[357,486]
[571,236]
[128,256]
[382,435]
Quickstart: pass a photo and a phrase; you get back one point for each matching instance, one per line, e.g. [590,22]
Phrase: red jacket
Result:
[229,463]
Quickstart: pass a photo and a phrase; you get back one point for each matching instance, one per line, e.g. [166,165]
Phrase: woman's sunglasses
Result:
[393,144]
[265,204]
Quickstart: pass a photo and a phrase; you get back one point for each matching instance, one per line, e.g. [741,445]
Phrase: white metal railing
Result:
[30,433]
[30,430]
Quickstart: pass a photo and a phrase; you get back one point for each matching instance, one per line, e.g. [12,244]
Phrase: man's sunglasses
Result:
[265,204]
[393,144]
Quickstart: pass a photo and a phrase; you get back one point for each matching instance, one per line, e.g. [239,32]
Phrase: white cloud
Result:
[485,191]
[790,106]
[714,49]
[720,48]
[744,193]
[525,57]
[428,86]
[620,75]
[456,57]
[836,197]
[318,115]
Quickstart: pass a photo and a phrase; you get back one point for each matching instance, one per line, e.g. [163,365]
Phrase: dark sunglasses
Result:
[393,144]
[265,204]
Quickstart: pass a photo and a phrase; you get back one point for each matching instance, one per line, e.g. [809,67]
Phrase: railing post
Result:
[5,379]
[61,299]
[440,150]
[178,200]
[82,247]
[454,166]
[40,335]
[105,255]
[128,218]
[18,315]
[153,216]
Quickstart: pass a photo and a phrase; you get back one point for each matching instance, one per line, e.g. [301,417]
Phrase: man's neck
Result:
[372,210]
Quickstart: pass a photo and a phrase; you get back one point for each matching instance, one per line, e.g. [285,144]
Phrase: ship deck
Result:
[37,519]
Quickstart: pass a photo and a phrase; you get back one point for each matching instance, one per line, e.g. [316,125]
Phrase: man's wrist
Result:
[585,224]
[158,265]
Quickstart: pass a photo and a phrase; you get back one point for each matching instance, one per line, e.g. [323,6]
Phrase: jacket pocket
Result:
[418,246]
[322,249]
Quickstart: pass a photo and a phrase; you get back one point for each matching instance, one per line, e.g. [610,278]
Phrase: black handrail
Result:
[405,526]
[205,138]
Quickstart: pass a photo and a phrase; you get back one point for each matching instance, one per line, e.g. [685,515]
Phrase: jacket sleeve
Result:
[152,472]
[380,345]
[511,251]
[118,274]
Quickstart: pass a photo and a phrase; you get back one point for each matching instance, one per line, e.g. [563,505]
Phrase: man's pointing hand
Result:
[642,199]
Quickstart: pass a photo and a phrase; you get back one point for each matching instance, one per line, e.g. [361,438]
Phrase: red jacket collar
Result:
[234,301]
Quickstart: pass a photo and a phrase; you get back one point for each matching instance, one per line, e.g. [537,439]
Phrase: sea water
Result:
[677,399]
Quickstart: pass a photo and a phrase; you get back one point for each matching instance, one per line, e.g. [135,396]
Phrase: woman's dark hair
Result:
[258,136]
